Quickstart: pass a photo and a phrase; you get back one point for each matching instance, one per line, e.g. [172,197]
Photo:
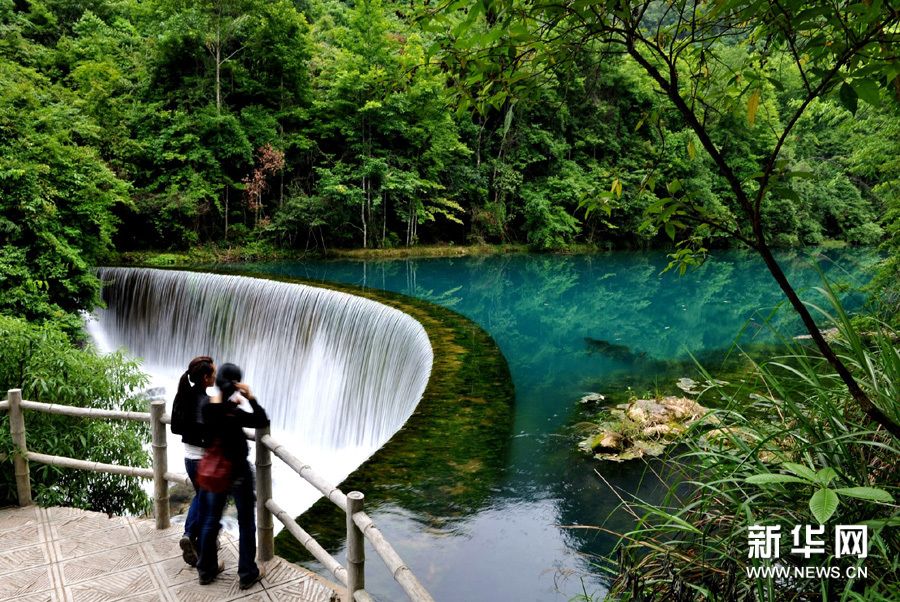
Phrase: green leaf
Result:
[872,494]
[801,471]
[868,91]
[691,149]
[776,83]
[876,524]
[673,186]
[753,106]
[823,505]
[770,478]
[507,120]
[497,100]
[670,230]
[825,476]
[848,98]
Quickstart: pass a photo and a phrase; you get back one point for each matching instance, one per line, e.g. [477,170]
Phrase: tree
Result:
[382,125]
[844,48]
[56,201]
[269,161]
[219,25]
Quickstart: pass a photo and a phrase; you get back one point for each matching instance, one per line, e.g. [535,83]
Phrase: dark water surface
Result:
[567,325]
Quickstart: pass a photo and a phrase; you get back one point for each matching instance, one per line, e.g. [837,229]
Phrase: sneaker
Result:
[206,580]
[188,550]
[248,583]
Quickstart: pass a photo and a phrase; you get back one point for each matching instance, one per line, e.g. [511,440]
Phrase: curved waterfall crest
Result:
[333,370]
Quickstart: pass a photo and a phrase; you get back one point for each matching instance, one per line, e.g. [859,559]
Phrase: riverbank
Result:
[212,254]
[208,255]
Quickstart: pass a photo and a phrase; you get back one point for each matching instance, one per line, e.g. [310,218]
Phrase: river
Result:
[610,323]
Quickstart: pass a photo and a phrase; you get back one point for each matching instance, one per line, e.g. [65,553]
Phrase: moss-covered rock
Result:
[643,427]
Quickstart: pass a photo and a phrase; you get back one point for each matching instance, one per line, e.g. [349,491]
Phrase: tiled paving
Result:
[63,554]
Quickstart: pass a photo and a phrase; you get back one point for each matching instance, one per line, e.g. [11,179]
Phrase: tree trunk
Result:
[218,71]
[362,215]
[369,210]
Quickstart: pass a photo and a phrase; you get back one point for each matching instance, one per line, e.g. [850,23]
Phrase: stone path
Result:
[63,554]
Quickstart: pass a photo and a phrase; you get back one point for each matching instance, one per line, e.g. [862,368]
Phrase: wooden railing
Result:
[359,525]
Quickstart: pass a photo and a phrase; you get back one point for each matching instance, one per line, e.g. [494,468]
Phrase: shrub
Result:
[45,364]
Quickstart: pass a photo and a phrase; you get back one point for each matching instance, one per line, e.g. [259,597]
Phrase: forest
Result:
[310,125]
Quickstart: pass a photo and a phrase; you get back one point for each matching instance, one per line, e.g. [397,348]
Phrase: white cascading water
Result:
[337,374]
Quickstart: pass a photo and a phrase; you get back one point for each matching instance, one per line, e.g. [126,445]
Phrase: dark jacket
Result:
[225,422]
[192,428]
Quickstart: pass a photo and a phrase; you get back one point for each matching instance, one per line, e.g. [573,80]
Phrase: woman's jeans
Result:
[211,507]
[192,522]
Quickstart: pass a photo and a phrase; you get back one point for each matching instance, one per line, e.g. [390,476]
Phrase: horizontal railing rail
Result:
[360,525]
[55,408]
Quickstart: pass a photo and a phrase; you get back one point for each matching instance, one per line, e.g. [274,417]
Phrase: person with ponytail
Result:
[226,417]
[187,421]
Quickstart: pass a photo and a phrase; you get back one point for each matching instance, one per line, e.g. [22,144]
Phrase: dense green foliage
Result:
[161,114]
[56,191]
[47,367]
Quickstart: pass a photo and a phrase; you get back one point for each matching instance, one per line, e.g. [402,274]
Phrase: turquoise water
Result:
[568,325]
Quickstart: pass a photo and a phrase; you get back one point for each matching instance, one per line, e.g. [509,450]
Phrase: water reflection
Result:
[567,325]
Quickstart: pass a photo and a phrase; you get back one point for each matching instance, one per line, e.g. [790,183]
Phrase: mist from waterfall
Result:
[338,374]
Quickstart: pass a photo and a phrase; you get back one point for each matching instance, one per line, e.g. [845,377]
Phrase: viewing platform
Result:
[65,554]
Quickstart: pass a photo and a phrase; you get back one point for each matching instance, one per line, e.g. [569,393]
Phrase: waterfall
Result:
[337,374]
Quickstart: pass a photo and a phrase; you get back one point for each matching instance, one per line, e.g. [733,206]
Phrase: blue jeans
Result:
[211,507]
[192,522]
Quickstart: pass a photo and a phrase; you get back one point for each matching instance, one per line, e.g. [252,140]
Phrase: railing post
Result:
[20,462]
[160,463]
[356,555]
[265,528]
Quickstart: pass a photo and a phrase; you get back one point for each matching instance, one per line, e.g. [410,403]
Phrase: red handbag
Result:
[214,471]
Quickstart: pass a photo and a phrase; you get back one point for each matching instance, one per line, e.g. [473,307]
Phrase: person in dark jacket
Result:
[187,409]
[225,417]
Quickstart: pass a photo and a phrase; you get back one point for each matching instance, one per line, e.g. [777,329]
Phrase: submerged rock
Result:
[592,398]
[688,385]
[640,449]
[829,334]
[659,430]
[651,412]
